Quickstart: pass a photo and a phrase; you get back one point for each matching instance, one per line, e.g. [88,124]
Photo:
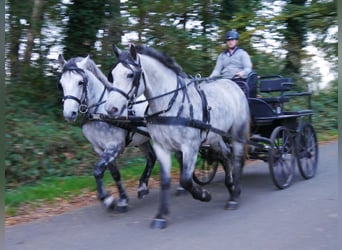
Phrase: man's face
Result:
[231,43]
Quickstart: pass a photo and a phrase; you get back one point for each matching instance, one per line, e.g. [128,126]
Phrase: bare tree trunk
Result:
[294,37]
[37,15]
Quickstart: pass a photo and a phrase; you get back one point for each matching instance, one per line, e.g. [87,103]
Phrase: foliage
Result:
[36,147]
[325,106]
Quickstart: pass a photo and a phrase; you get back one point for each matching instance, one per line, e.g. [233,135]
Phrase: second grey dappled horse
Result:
[83,90]
[183,115]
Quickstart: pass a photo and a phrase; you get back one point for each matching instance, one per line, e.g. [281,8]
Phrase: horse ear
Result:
[116,51]
[133,52]
[61,60]
[82,64]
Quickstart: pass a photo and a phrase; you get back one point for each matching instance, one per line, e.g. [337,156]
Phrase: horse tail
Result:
[248,134]
[241,134]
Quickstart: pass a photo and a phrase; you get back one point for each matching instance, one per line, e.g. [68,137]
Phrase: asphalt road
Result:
[302,217]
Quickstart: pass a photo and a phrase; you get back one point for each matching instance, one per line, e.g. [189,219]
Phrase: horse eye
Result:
[80,82]
[130,75]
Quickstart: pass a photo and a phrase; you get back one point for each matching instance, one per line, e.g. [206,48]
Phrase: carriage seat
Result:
[261,111]
[277,84]
[252,82]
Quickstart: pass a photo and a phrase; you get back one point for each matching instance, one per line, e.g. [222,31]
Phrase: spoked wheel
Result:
[282,157]
[307,151]
[206,167]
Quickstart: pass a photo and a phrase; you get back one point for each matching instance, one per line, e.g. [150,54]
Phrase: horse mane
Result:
[162,57]
[91,66]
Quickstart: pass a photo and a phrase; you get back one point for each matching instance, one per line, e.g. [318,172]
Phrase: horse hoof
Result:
[181,191]
[109,202]
[103,196]
[231,205]
[121,209]
[122,205]
[205,196]
[159,223]
[201,194]
[143,193]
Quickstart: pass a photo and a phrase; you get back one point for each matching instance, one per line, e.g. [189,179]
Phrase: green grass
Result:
[47,190]
[51,188]
[332,135]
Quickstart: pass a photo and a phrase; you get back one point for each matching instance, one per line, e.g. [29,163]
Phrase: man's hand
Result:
[240,74]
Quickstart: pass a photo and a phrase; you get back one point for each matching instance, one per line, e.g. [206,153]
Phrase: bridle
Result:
[83,107]
[137,74]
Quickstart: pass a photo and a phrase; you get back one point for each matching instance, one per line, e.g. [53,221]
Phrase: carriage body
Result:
[281,137]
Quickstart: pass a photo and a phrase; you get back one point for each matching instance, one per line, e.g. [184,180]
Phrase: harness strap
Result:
[183,121]
[169,106]
[119,91]
[72,98]
[185,95]
[205,108]
[129,122]
[100,102]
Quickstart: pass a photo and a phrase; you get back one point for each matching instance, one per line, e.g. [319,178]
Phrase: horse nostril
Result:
[74,114]
[114,110]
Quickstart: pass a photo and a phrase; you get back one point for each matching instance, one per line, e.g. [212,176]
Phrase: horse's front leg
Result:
[98,175]
[189,161]
[122,204]
[106,158]
[164,157]
[233,166]
[150,156]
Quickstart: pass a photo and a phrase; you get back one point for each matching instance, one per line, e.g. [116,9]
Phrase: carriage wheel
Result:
[206,167]
[282,157]
[307,151]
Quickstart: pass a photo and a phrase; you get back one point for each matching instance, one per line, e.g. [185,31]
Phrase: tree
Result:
[17,21]
[294,35]
[85,19]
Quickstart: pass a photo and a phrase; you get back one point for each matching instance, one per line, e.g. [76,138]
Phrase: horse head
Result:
[125,78]
[73,82]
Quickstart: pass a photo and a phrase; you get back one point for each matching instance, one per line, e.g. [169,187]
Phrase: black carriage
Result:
[279,137]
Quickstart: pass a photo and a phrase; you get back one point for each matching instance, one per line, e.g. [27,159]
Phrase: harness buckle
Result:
[198,76]
[83,108]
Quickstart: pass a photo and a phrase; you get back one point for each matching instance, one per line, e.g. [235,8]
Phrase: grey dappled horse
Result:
[84,91]
[176,104]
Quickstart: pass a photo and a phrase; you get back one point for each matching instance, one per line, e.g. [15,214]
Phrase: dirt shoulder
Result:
[39,210]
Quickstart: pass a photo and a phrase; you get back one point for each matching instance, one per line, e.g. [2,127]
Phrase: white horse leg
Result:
[164,157]
[150,156]
[233,167]
[105,160]
[98,174]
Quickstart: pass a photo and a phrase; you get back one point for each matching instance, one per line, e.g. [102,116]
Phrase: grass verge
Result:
[55,188]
